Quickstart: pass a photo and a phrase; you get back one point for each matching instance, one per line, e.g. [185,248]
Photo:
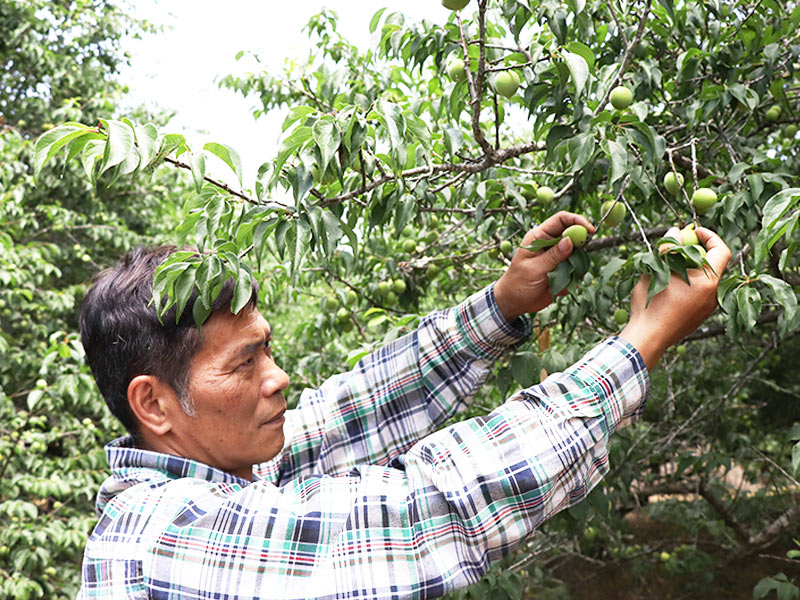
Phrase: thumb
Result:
[557,254]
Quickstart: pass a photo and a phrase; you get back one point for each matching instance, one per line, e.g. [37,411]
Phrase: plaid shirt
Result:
[367,499]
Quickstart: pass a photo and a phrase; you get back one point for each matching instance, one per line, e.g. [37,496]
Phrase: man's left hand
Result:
[525,287]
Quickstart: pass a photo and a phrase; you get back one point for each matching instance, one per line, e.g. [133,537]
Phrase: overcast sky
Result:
[176,69]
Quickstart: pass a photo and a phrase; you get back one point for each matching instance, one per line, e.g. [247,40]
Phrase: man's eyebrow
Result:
[253,346]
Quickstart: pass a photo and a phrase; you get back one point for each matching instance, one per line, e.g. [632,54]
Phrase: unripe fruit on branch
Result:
[621,97]
[545,195]
[688,236]
[506,247]
[455,4]
[673,183]
[577,233]
[398,286]
[773,113]
[457,70]
[621,316]
[703,199]
[506,83]
[617,214]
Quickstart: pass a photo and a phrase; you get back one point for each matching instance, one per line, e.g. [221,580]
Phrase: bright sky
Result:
[176,69]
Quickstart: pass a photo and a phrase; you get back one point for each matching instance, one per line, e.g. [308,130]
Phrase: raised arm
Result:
[402,392]
[398,394]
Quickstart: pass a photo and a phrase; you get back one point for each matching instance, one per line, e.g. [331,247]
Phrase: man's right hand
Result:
[679,309]
[525,286]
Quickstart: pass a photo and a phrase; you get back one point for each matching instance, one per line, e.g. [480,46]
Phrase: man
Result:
[221,493]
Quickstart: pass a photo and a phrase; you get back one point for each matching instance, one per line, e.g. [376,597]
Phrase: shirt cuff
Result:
[610,380]
[485,328]
[615,370]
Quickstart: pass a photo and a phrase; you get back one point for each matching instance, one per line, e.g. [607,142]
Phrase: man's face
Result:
[237,391]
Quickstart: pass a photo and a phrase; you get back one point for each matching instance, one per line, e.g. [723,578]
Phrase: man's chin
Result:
[272,449]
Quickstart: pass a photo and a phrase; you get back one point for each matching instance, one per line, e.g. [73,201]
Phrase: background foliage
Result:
[390,195]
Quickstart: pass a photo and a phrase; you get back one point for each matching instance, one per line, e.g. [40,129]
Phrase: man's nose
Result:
[275,380]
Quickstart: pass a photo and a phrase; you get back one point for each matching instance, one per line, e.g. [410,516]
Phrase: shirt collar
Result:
[123,456]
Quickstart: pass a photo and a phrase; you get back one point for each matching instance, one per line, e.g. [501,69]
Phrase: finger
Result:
[555,225]
[550,259]
[718,253]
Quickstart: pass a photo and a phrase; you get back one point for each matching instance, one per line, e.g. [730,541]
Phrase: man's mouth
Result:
[276,420]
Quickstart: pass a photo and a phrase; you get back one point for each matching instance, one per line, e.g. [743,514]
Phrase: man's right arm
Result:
[398,394]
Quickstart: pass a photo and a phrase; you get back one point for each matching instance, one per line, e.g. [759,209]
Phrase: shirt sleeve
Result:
[398,394]
[430,522]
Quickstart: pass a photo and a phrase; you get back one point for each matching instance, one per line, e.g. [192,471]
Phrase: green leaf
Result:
[392,118]
[612,266]
[453,140]
[373,24]
[736,172]
[147,142]
[560,277]
[744,95]
[91,154]
[327,136]
[578,68]
[243,290]
[184,285]
[668,5]
[228,155]
[584,51]
[784,295]
[197,162]
[51,142]
[748,301]
[420,130]
[557,20]
[33,398]
[619,160]
[120,143]
[778,205]
[291,145]
[764,587]
[334,231]
[525,367]
[796,458]
[540,245]
[295,114]
[580,150]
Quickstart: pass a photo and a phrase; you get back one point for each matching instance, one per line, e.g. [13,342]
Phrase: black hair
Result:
[123,337]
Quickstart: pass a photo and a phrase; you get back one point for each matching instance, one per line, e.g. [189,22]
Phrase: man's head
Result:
[173,389]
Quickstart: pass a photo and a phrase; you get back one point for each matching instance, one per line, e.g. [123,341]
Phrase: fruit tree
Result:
[395,184]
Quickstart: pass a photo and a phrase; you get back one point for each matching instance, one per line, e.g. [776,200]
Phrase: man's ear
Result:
[153,402]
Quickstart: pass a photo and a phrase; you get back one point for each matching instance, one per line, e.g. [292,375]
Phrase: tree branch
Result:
[626,62]
[476,85]
[219,184]
[723,512]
